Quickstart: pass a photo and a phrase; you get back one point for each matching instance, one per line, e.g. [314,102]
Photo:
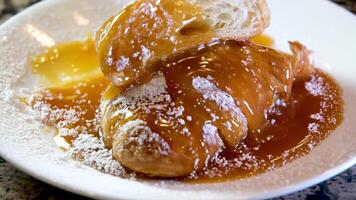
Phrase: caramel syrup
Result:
[263,40]
[295,127]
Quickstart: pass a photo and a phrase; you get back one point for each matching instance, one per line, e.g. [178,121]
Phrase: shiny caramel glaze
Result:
[295,128]
[224,87]
[146,31]
[253,75]
[291,128]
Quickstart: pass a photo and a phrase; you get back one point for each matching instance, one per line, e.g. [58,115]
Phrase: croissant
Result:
[200,101]
[185,82]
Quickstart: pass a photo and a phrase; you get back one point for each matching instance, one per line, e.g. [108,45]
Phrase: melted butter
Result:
[292,128]
[263,40]
[64,64]
[127,57]
[75,83]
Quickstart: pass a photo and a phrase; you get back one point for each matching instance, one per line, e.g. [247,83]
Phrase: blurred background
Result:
[17,185]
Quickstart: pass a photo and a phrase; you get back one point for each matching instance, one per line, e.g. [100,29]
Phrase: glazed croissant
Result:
[179,120]
[171,109]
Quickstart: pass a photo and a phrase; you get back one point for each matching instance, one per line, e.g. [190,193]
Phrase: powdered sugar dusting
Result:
[246,160]
[313,127]
[320,88]
[221,98]
[138,134]
[316,86]
[318,117]
[148,97]
[211,135]
[151,97]
[86,148]
[91,151]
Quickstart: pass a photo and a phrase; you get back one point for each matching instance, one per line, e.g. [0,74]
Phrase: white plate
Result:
[325,28]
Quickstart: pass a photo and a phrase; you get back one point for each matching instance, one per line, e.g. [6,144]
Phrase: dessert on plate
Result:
[188,89]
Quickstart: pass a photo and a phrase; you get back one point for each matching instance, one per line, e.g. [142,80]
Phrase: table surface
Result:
[17,185]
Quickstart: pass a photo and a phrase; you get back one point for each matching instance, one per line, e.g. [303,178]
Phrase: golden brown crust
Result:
[302,66]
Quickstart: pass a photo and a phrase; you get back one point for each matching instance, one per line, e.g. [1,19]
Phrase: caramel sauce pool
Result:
[76,83]
[302,125]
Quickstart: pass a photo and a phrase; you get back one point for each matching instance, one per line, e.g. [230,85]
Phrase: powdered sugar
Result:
[138,135]
[59,117]
[148,97]
[151,97]
[211,135]
[65,132]
[221,98]
[313,127]
[92,152]
[316,86]
[246,160]
[317,116]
